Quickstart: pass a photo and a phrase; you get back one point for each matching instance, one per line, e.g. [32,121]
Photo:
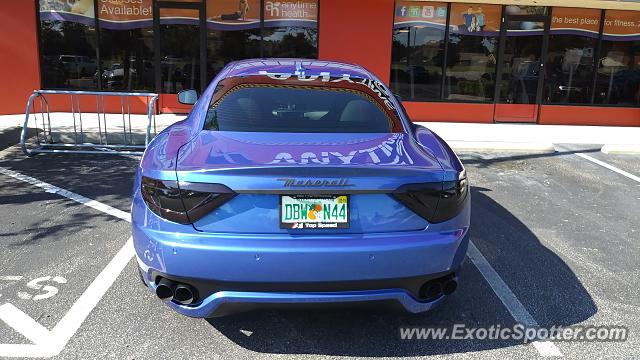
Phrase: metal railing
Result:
[47,143]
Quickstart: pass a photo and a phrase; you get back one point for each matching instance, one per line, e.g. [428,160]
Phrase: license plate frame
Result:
[321,199]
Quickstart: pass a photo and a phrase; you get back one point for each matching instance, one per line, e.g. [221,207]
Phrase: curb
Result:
[621,149]
[502,146]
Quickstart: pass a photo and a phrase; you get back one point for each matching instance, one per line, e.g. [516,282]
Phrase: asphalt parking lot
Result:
[560,235]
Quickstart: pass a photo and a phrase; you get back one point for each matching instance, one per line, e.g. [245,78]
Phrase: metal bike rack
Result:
[44,134]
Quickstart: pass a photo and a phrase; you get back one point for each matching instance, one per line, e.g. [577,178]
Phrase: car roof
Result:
[251,67]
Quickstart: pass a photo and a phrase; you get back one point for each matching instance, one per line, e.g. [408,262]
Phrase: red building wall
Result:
[357,32]
[19,68]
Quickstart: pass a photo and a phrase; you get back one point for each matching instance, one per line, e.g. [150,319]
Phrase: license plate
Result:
[314,212]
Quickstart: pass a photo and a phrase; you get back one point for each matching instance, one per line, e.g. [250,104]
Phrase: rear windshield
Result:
[297,109]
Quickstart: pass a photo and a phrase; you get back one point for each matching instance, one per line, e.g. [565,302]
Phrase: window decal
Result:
[573,21]
[620,25]
[80,11]
[420,13]
[476,19]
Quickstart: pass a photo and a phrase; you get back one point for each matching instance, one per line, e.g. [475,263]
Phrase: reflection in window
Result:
[619,73]
[569,63]
[416,62]
[291,41]
[233,32]
[68,52]
[127,59]
[179,51]
[521,63]
[472,52]
[226,46]
[618,76]
[290,29]
[569,73]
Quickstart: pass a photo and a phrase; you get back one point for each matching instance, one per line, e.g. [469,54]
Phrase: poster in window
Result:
[476,19]
[122,15]
[233,14]
[574,21]
[300,13]
[420,13]
[79,11]
[136,14]
[621,25]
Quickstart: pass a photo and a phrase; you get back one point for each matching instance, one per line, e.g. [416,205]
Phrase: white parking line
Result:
[509,299]
[48,343]
[68,194]
[608,166]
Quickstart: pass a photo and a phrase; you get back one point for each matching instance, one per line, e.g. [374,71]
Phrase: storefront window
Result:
[179,50]
[68,44]
[291,29]
[290,41]
[126,46]
[417,54]
[569,64]
[521,57]
[618,74]
[472,52]
[233,32]
[127,40]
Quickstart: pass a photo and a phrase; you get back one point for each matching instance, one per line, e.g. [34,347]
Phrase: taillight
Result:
[184,203]
[435,202]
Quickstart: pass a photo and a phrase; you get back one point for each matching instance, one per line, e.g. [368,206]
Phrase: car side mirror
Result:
[187,97]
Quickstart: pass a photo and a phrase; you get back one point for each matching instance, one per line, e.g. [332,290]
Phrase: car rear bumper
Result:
[275,261]
[227,302]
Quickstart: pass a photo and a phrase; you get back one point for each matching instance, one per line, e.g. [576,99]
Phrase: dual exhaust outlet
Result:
[168,290]
[433,289]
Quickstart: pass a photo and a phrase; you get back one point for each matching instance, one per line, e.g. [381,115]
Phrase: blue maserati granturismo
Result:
[298,182]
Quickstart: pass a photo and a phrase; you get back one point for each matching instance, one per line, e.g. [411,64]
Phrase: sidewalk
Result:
[62,121]
[461,136]
[65,130]
[533,137]
[556,134]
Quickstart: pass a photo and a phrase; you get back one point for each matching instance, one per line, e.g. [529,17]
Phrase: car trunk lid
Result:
[260,167]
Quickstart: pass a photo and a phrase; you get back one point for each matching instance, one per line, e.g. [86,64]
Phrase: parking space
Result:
[560,231]
[627,162]
[564,235]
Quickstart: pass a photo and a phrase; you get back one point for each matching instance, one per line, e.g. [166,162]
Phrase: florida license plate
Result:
[314,211]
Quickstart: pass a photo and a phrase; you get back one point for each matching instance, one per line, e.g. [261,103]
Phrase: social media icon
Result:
[441,12]
[401,10]
[427,12]
[414,11]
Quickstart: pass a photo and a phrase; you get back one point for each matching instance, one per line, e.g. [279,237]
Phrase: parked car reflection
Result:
[523,82]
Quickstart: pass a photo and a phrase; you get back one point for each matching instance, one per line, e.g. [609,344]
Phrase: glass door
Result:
[179,47]
[520,71]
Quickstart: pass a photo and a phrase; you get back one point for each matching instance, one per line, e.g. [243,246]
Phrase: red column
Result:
[357,32]
[19,68]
